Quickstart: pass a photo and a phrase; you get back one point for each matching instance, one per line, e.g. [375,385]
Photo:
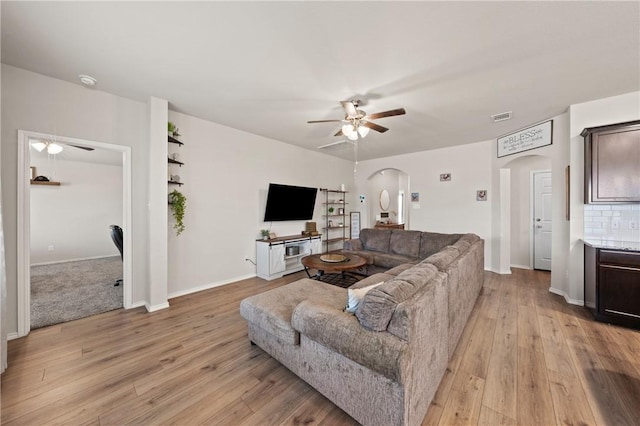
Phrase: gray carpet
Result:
[66,291]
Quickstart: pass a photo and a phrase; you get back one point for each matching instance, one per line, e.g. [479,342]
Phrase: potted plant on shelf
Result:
[172,130]
[265,234]
[177,201]
[331,209]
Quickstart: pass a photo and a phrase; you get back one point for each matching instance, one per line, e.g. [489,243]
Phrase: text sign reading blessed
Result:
[526,139]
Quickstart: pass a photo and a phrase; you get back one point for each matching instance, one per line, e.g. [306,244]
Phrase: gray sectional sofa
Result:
[383,364]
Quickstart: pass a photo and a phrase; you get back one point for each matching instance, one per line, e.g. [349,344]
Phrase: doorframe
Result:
[24,226]
[532,213]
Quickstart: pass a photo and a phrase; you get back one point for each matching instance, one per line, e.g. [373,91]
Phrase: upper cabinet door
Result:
[612,163]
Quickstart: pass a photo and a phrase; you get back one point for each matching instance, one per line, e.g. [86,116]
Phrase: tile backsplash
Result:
[616,222]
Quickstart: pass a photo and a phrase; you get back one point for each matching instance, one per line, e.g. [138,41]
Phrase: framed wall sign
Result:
[355,224]
[523,140]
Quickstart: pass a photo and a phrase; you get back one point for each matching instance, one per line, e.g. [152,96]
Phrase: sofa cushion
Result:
[355,296]
[272,309]
[443,258]
[378,305]
[405,243]
[432,242]
[339,331]
[400,268]
[400,323]
[376,239]
[389,260]
[372,279]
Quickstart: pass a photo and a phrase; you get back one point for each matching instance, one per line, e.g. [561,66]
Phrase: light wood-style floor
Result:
[525,357]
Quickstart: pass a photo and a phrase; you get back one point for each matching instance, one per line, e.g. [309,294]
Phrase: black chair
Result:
[116,236]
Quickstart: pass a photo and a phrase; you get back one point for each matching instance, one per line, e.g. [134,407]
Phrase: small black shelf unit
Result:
[170,160]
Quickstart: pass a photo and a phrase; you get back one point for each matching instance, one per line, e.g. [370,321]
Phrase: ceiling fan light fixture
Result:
[350,132]
[38,145]
[54,148]
[363,131]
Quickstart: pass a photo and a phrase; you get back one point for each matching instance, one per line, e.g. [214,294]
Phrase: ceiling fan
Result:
[358,122]
[54,148]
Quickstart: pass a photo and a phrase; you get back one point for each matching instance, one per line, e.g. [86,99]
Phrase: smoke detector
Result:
[503,116]
[87,80]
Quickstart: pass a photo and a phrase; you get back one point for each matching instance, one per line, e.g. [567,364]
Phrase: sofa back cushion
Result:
[443,258]
[432,242]
[379,304]
[376,239]
[405,243]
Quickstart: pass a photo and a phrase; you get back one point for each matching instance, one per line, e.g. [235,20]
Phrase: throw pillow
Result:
[355,296]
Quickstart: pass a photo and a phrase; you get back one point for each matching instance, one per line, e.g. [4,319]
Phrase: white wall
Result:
[227,174]
[616,109]
[74,217]
[38,103]
[448,207]
[521,207]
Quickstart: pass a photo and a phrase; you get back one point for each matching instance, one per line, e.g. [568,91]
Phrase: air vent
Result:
[501,117]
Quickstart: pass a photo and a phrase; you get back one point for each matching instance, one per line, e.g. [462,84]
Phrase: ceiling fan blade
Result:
[86,148]
[389,113]
[324,121]
[335,143]
[374,126]
[349,108]
[339,133]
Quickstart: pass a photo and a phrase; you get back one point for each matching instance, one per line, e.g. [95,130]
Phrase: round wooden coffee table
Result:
[316,262]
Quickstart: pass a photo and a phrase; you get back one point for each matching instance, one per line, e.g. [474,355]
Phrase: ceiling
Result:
[268,67]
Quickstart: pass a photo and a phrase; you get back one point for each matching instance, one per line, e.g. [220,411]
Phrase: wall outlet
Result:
[633,224]
[51,247]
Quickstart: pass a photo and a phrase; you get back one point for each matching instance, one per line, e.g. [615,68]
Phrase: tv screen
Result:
[286,202]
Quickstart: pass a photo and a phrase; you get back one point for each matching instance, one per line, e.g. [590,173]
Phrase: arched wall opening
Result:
[396,183]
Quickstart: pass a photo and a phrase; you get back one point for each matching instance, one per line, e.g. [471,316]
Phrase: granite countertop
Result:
[614,245]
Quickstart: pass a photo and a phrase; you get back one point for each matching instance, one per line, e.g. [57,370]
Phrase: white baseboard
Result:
[73,260]
[209,286]
[11,336]
[157,307]
[506,272]
[522,267]
[136,305]
[566,297]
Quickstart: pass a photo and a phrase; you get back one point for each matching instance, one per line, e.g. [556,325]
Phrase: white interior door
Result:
[542,220]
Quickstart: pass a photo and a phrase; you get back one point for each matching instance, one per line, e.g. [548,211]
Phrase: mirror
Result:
[384,200]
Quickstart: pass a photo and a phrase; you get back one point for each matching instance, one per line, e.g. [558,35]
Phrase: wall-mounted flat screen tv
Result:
[286,202]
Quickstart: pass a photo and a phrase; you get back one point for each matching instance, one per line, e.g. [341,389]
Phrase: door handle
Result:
[538,220]
[538,226]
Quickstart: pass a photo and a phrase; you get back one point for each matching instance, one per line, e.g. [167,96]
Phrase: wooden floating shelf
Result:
[171,182]
[172,161]
[44,182]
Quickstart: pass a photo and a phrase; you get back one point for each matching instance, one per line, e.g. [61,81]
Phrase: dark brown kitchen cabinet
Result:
[612,285]
[612,163]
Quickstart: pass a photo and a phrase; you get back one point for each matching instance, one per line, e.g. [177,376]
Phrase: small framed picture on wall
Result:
[340,211]
[32,169]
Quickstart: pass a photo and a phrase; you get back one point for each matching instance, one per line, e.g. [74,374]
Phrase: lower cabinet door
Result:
[276,259]
[619,291]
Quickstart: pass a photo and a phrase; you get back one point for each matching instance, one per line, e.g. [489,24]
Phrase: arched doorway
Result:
[390,185]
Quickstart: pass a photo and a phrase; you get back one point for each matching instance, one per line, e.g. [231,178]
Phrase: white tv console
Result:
[272,260]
